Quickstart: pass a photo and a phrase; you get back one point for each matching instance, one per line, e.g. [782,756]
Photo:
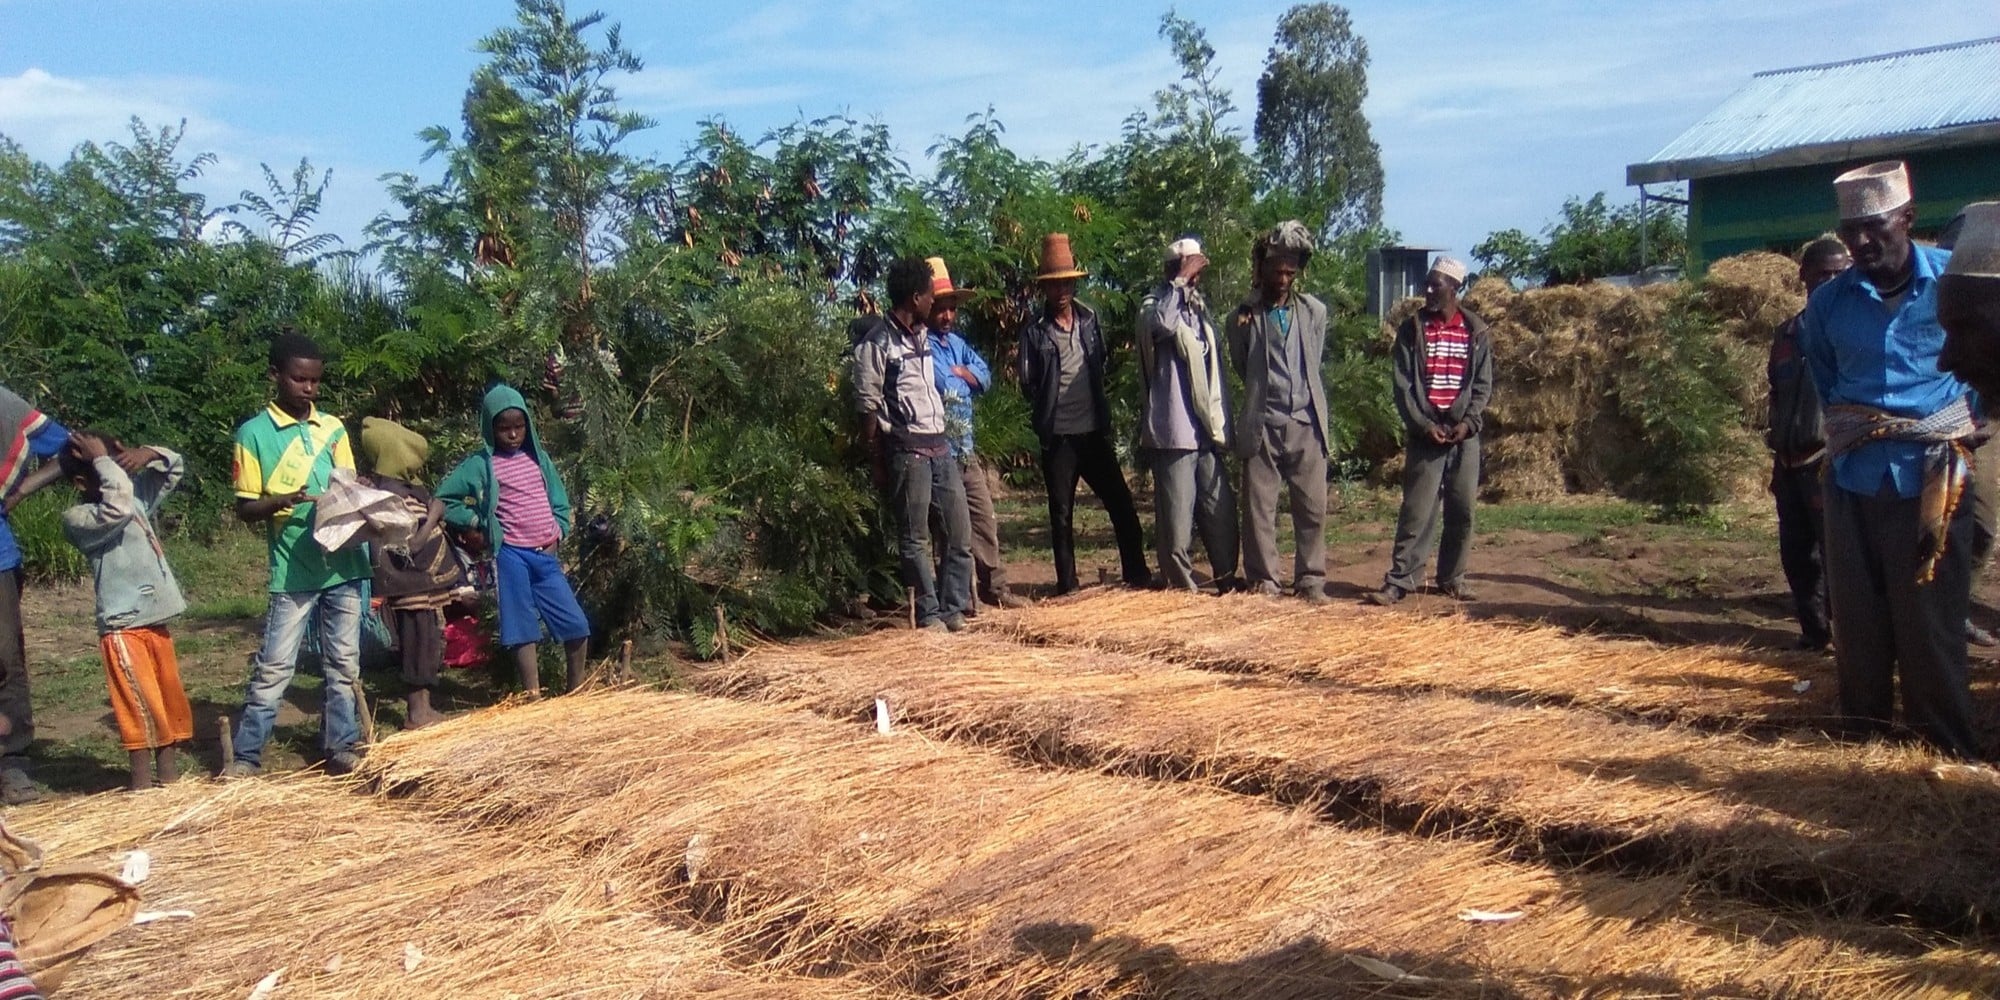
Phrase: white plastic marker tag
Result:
[138,865]
[1802,686]
[154,916]
[1489,916]
[412,957]
[882,717]
[1379,968]
[697,856]
[267,985]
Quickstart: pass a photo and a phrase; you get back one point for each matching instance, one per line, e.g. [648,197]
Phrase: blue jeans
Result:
[921,488]
[271,672]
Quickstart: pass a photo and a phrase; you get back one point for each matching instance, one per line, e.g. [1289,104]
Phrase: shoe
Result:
[954,623]
[1008,600]
[240,769]
[1810,645]
[342,762]
[1457,592]
[1227,585]
[1389,594]
[1265,588]
[1314,596]
[16,787]
[936,625]
[1979,636]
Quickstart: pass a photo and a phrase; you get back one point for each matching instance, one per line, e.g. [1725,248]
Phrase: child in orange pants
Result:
[119,490]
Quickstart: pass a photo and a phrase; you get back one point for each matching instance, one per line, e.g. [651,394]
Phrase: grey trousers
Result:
[1885,626]
[14,667]
[1191,492]
[1980,494]
[1437,478]
[1290,455]
[921,488]
[991,572]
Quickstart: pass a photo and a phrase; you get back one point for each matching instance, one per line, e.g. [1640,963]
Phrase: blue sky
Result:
[1488,114]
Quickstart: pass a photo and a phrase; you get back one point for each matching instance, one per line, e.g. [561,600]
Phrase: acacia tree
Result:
[1313,140]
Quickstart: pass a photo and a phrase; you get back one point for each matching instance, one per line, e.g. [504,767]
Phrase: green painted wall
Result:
[1782,209]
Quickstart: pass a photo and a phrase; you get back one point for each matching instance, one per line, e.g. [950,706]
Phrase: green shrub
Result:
[46,556]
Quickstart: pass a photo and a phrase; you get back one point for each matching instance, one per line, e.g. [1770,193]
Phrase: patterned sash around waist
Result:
[1948,436]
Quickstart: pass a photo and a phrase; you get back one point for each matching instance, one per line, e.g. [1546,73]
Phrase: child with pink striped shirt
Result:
[510,491]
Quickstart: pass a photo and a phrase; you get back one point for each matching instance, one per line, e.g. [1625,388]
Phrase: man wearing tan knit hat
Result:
[1899,439]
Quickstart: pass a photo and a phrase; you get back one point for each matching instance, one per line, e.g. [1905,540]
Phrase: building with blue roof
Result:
[1760,167]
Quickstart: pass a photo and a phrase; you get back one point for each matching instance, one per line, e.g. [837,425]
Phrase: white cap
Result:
[1875,189]
[1186,246]
[1450,267]
[1977,252]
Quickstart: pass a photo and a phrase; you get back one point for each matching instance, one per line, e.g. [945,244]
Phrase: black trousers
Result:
[1090,457]
[1887,628]
[1801,530]
[420,634]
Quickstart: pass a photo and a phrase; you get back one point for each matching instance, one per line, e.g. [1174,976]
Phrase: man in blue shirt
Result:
[1899,436]
[26,435]
[962,376]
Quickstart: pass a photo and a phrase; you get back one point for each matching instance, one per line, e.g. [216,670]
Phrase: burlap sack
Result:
[57,915]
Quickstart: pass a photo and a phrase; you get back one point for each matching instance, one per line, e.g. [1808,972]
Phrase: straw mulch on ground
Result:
[956,872]
[352,897]
[1397,651]
[1851,829]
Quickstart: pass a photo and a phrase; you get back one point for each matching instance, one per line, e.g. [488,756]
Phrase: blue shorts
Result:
[534,592]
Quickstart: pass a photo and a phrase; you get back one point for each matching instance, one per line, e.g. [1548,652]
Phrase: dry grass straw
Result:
[1851,829]
[331,886]
[1399,651]
[958,873]
[1754,293]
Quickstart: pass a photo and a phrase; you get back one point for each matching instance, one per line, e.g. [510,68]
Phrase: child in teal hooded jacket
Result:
[510,491]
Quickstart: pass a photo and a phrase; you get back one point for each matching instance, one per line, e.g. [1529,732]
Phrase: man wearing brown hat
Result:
[1276,342]
[1899,439]
[962,376]
[1062,374]
[1444,379]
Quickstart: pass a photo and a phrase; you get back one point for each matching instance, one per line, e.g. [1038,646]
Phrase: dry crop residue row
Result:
[1390,652]
[956,872]
[343,895]
[1849,830]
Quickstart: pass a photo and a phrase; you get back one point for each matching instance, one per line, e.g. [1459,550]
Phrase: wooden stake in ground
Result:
[910,600]
[625,662]
[363,712]
[228,741]
[721,634]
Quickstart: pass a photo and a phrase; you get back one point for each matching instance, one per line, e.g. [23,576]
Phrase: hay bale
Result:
[1850,827]
[1753,294]
[1523,466]
[924,864]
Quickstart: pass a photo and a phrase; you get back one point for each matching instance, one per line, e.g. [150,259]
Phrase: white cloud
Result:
[50,115]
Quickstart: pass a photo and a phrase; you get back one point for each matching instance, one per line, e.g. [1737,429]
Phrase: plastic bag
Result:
[349,513]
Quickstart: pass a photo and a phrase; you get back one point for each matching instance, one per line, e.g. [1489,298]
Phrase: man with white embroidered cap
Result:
[1184,423]
[1444,379]
[1900,435]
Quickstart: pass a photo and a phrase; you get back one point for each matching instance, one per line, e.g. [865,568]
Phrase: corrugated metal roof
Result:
[1945,95]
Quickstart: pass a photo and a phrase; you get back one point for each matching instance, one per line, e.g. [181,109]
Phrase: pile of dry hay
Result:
[1563,354]
[1849,829]
[953,872]
[340,894]
[1370,650]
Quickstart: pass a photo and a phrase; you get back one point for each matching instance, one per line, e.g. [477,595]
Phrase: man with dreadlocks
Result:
[1899,436]
[1277,339]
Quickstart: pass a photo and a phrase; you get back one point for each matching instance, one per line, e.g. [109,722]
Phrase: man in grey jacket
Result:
[1444,379]
[903,421]
[1183,423]
[1277,340]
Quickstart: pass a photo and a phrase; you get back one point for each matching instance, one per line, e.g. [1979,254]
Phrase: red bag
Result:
[466,644]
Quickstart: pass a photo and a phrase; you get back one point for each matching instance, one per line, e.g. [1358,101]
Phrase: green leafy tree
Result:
[1592,240]
[1312,138]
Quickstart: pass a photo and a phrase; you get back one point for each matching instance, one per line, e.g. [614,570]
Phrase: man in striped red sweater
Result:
[1444,379]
